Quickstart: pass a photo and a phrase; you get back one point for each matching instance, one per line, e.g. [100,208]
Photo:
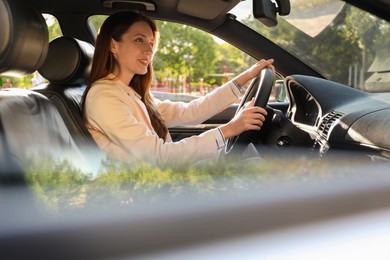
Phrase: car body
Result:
[318,189]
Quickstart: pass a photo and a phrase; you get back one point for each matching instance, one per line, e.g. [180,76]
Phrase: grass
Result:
[60,186]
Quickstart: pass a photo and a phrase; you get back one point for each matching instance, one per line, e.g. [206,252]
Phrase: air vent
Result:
[327,123]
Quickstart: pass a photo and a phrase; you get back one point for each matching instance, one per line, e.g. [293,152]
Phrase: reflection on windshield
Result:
[313,18]
[343,43]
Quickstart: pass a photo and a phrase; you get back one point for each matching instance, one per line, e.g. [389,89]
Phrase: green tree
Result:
[230,60]
[353,34]
[53,27]
[97,21]
[184,50]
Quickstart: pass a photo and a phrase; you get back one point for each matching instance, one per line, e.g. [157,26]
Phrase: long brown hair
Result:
[103,62]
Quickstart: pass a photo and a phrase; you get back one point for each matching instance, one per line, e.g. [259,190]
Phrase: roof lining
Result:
[214,8]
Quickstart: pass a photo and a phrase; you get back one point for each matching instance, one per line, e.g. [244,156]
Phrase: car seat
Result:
[67,68]
[24,38]
[30,125]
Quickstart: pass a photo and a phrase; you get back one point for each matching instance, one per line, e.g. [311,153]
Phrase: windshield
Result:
[343,43]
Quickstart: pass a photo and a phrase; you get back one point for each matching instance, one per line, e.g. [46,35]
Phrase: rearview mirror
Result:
[266,10]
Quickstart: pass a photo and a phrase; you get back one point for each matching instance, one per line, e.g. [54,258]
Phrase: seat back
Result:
[67,68]
[30,125]
[23,38]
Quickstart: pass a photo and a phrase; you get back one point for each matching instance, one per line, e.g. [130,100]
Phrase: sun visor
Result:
[212,10]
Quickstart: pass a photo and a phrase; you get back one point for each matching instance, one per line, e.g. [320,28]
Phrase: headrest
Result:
[24,38]
[68,61]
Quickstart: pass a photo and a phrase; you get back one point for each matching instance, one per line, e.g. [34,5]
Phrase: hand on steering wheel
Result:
[260,90]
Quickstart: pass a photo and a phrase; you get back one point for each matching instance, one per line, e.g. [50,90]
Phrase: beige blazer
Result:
[119,123]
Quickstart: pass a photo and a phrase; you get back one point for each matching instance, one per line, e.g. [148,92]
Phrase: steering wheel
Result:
[260,88]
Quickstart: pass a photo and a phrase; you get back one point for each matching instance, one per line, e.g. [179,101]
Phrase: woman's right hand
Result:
[248,118]
[254,70]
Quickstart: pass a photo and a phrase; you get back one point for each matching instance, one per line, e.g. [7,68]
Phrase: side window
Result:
[53,26]
[35,78]
[97,21]
[190,63]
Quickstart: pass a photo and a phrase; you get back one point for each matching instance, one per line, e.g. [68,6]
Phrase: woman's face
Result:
[134,51]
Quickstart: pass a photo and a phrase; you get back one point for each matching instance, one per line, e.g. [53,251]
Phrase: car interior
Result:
[24,52]
[58,102]
[48,118]
[291,123]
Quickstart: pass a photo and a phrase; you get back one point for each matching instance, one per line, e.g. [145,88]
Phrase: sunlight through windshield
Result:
[341,42]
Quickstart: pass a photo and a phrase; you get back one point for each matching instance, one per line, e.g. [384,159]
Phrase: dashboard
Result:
[338,115]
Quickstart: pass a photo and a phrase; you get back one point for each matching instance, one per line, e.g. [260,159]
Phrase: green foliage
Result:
[57,184]
[184,51]
[344,34]
[60,186]
[179,42]
[53,27]
[97,21]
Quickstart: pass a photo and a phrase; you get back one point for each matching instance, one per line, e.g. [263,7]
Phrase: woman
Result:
[128,123]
